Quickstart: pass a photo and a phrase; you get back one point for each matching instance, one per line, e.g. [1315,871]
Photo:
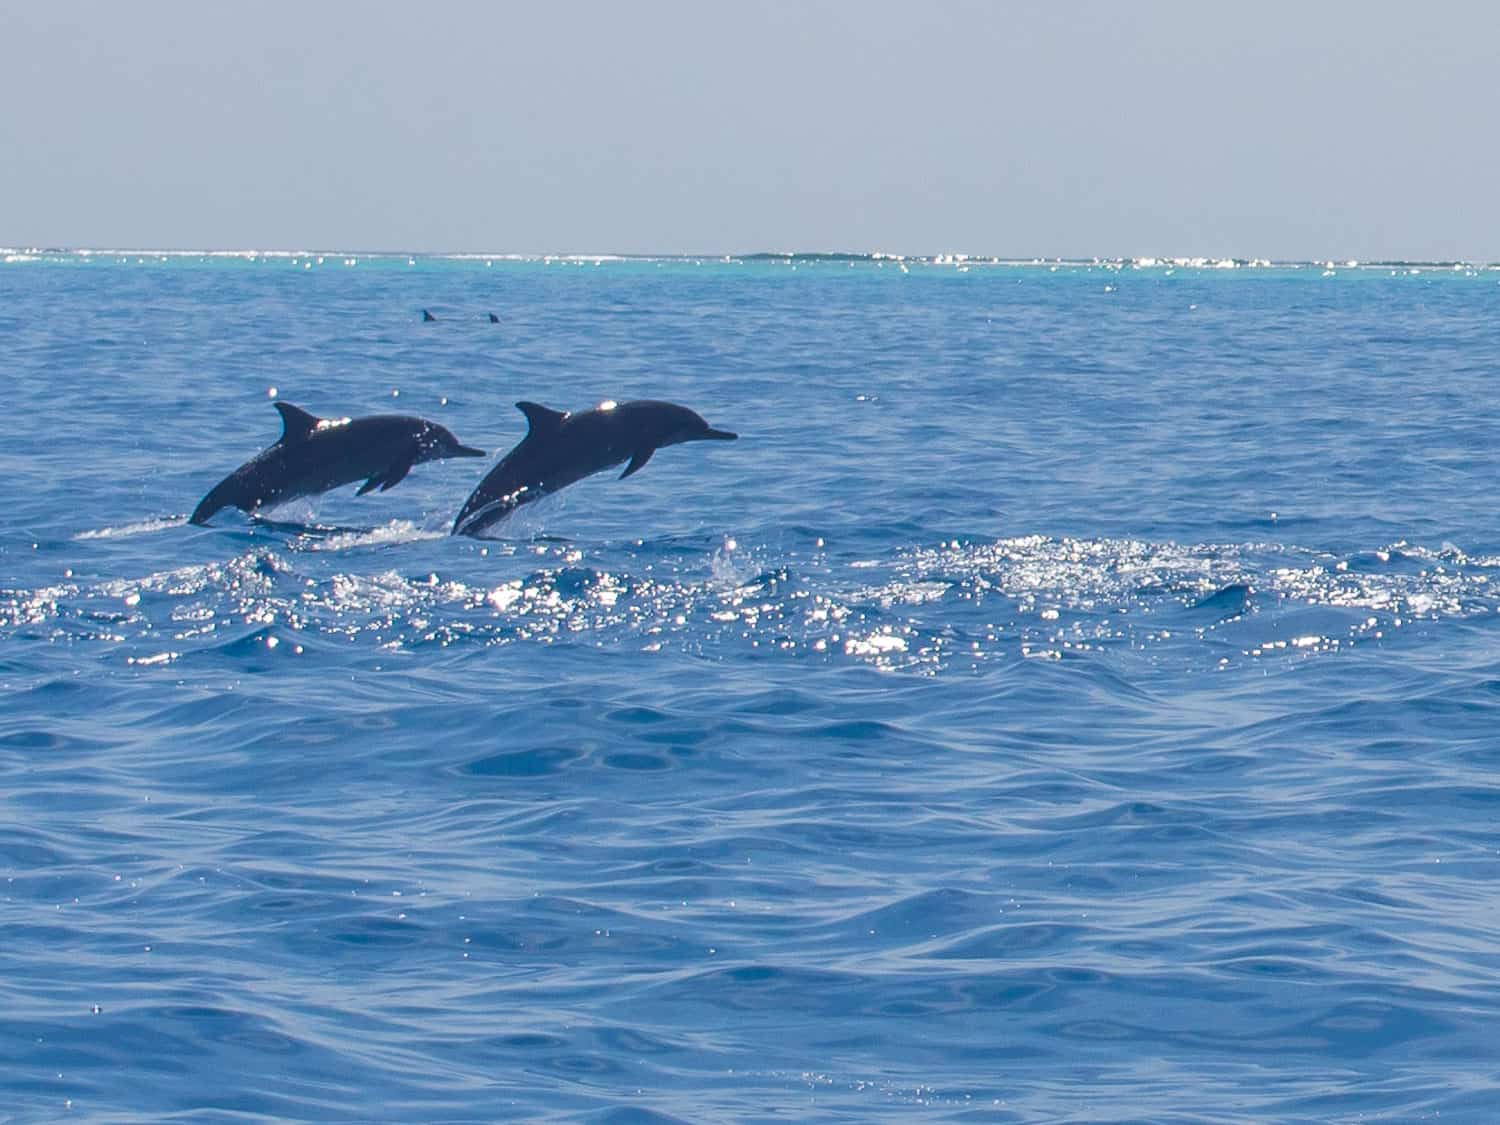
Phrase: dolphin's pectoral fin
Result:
[296,423]
[638,462]
[395,475]
[386,479]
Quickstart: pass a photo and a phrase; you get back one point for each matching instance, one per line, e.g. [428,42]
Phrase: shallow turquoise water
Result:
[1073,698]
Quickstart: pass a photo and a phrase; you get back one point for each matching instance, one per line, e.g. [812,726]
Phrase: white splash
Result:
[144,527]
[394,532]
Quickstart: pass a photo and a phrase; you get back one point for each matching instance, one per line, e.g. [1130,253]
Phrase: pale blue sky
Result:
[1271,129]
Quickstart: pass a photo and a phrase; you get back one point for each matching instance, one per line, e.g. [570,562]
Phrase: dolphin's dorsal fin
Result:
[297,424]
[542,419]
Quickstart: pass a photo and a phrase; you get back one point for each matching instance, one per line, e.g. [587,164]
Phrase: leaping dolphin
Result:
[562,448]
[316,454]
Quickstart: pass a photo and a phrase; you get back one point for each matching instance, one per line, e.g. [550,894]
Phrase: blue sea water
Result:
[1074,698]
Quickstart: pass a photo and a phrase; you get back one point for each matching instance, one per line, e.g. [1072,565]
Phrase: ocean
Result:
[1073,698]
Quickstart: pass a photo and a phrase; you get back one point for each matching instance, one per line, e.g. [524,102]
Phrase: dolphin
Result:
[316,454]
[427,317]
[560,448]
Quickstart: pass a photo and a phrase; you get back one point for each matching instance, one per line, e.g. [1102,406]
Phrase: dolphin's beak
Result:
[719,435]
[467,451]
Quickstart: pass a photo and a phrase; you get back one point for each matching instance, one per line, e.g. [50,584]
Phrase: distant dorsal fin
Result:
[297,424]
[541,418]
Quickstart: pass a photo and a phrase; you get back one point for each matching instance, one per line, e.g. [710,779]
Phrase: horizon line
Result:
[16,254]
